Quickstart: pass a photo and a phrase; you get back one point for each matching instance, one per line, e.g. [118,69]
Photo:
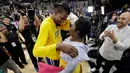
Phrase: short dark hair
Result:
[83,26]
[62,6]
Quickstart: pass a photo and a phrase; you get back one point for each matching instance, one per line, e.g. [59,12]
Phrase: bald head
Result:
[123,20]
[126,14]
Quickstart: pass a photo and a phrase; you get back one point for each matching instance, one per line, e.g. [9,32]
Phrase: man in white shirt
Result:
[116,41]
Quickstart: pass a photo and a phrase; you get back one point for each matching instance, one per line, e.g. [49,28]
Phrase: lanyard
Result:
[33,36]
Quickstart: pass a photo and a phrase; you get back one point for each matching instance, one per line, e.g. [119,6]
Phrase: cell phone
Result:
[31,13]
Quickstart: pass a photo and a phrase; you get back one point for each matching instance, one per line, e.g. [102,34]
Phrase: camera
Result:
[31,14]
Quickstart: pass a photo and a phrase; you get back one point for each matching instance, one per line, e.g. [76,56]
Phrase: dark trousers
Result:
[92,64]
[18,54]
[108,64]
[123,66]
[30,52]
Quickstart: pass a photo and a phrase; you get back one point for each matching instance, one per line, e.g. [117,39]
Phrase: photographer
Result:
[5,61]
[29,32]
[13,44]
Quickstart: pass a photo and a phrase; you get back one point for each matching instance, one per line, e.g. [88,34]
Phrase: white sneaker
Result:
[93,69]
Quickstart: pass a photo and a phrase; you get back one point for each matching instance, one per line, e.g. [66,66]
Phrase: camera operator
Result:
[14,44]
[30,33]
[5,61]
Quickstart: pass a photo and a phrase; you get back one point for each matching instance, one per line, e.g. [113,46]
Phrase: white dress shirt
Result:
[73,62]
[111,51]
